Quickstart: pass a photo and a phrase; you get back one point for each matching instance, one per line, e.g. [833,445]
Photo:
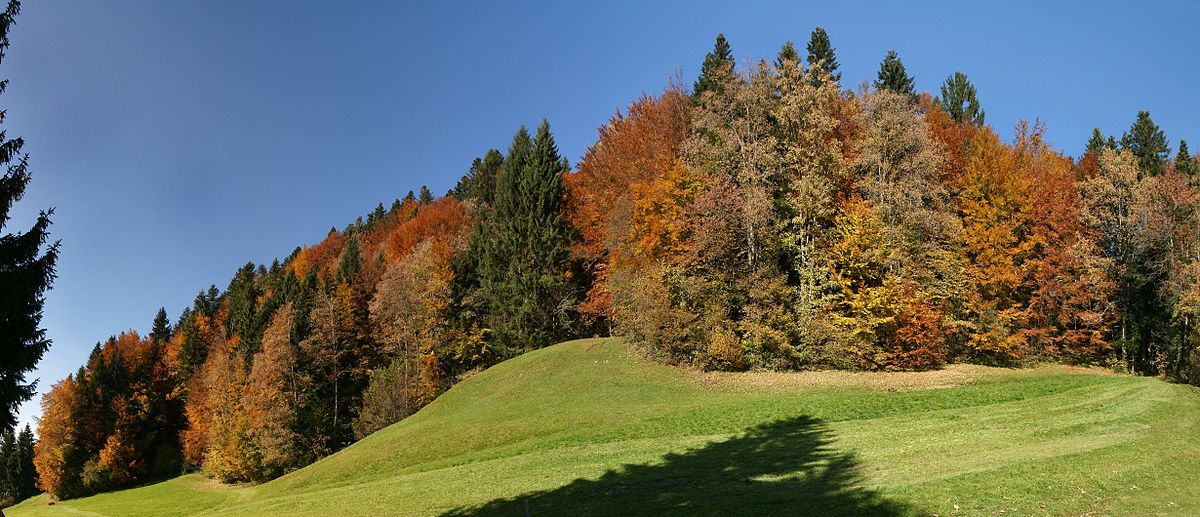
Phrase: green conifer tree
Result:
[1184,162]
[787,55]
[26,273]
[718,66]
[426,197]
[1096,143]
[892,76]
[820,51]
[960,101]
[1146,141]
[161,331]
[527,296]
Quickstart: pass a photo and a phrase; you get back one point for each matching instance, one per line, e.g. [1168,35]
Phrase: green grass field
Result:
[588,427]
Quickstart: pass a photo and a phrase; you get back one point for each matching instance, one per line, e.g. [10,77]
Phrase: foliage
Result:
[26,271]
[959,101]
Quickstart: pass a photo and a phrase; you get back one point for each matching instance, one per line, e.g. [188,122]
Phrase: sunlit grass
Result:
[588,427]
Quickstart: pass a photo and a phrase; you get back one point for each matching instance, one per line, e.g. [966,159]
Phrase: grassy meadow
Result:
[589,427]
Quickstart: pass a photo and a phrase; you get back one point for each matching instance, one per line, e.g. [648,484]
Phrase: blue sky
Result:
[179,140]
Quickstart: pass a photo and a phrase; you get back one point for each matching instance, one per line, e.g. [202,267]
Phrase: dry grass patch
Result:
[951,376]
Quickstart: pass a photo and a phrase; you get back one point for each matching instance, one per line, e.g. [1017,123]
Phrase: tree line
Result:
[766,217]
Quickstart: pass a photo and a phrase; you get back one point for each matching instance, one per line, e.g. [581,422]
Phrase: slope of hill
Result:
[588,427]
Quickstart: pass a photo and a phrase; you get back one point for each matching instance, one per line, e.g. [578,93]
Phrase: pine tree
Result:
[351,260]
[426,196]
[479,183]
[1146,141]
[787,56]
[527,298]
[820,53]
[410,197]
[959,101]
[1095,144]
[892,76]
[1184,162]
[718,66]
[161,332]
[25,271]
[25,474]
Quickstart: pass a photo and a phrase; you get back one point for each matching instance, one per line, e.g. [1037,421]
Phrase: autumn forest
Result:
[768,215]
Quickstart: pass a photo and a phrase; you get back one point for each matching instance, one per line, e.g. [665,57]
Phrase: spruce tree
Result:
[528,299]
[718,66]
[410,197]
[479,183]
[787,55]
[351,260]
[426,196]
[1096,143]
[1184,162]
[161,331]
[820,53]
[959,100]
[21,473]
[8,464]
[892,76]
[26,272]
[1146,141]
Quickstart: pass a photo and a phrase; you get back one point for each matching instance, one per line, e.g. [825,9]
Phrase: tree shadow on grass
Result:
[787,467]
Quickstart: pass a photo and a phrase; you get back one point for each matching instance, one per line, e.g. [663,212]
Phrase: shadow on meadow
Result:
[785,467]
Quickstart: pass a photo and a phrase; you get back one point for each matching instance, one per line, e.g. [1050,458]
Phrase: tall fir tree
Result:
[479,183]
[718,66]
[787,56]
[1095,143]
[959,100]
[892,76]
[1146,141]
[26,271]
[820,51]
[525,286]
[426,197]
[24,471]
[1184,162]
[161,331]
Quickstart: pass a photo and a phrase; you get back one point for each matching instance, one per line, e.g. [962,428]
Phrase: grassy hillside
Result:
[587,427]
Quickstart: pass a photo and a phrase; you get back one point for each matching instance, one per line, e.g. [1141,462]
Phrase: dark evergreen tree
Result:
[351,260]
[787,56]
[426,196]
[161,331]
[8,456]
[527,298]
[395,206]
[243,295]
[959,100]
[717,68]
[1184,162]
[26,272]
[1146,141]
[376,215]
[479,183]
[1096,143]
[18,479]
[820,53]
[892,76]
[410,197]
[24,472]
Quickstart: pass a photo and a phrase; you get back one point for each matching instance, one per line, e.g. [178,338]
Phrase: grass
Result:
[588,427]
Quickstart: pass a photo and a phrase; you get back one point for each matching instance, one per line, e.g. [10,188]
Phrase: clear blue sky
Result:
[179,140]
